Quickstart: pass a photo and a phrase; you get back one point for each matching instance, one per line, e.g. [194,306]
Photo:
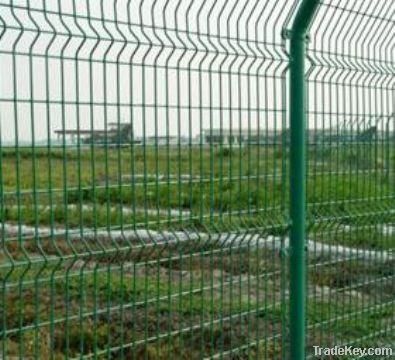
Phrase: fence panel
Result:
[351,182]
[143,178]
[144,170]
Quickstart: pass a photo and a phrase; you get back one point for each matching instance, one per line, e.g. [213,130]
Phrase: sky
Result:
[177,67]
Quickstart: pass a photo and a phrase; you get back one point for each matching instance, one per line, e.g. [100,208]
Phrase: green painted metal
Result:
[148,175]
[298,199]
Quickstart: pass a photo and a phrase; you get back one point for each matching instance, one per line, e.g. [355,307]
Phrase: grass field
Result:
[178,290]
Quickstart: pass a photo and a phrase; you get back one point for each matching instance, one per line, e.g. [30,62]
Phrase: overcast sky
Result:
[178,66]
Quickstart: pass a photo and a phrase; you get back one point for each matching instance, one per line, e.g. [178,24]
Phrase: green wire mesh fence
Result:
[351,182]
[144,178]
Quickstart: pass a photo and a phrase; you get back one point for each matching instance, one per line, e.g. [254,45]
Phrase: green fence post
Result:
[300,25]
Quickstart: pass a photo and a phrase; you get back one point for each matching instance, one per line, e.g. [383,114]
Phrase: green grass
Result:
[122,300]
[74,296]
[212,186]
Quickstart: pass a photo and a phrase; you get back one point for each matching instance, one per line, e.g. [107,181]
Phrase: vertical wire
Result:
[17,172]
[77,73]
[4,244]
[34,173]
[92,169]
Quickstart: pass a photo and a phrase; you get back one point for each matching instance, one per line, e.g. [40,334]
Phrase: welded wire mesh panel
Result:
[351,179]
[143,178]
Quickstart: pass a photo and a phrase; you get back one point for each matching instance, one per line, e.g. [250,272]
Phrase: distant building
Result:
[278,136]
[162,140]
[238,136]
[338,135]
[115,134]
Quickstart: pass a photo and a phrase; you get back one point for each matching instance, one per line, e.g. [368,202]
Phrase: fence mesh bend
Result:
[144,178]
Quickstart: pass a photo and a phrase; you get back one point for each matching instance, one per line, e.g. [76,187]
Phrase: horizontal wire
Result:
[138,25]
